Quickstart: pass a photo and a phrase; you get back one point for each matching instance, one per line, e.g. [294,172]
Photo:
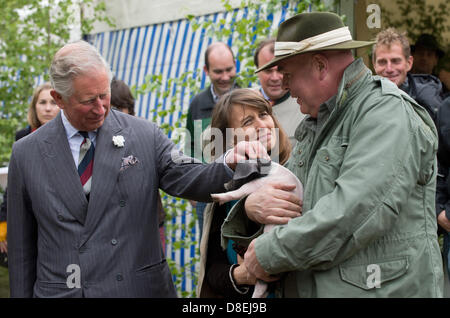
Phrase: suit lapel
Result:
[107,162]
[62,171]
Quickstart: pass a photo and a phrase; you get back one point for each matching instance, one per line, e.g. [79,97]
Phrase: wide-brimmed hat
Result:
[428,41]
[310,32]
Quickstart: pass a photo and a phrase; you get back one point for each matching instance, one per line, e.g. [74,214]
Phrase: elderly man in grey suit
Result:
[82,192]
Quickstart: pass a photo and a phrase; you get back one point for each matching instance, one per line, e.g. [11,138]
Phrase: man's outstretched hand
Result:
[246,150]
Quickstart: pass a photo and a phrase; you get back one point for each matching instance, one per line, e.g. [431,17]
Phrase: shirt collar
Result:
[405,85]
[214,95]
[72,131]
[279,100]
[264,94]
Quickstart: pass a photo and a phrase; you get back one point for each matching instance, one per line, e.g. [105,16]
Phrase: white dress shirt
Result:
[75,139]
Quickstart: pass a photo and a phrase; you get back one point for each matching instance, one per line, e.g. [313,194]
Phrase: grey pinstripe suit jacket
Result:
[114,237]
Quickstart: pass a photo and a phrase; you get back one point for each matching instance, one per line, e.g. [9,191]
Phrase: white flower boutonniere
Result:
[118,141]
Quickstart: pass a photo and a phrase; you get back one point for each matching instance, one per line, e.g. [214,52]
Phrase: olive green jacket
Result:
[368,229]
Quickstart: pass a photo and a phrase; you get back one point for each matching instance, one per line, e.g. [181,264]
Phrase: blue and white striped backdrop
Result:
[168,49]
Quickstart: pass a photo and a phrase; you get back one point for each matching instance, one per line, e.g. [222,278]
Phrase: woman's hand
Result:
[241,275]
[443,221]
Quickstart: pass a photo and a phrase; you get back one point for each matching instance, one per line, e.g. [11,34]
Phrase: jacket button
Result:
[301,163]
[119,277]
[60,217]
[114,242]
[327,158]
[299,151]
[122,203]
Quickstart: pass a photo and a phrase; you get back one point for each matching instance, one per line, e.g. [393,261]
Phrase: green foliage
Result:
[31,31]
[249,30]
[178,208]
[246,31]
[418,17]
[98,14]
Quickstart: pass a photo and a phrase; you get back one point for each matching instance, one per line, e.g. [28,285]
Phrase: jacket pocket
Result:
[374,275]
[331,156]
[151,267]
[50,289]
[327,166]
[130,170]
[131,179]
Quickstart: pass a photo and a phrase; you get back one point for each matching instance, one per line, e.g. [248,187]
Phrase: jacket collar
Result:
[409,86]
[348,85]
[351,80]
[61,168]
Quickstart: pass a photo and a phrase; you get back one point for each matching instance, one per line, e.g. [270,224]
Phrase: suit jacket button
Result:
[119,277]
[60,217]
[122,203]
[113,241]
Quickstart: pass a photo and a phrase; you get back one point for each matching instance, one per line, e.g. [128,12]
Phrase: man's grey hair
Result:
[72,60]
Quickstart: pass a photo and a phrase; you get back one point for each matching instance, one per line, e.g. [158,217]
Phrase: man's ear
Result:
[320,64]
[409,63]
[205,69]
[58,98]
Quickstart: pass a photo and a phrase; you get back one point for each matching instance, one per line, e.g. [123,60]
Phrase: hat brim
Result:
[348,45]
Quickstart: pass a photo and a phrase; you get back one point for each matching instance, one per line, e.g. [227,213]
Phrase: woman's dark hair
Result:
[121,96]
[247,97]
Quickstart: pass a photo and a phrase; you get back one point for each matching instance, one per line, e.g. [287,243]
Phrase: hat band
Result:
[316,42]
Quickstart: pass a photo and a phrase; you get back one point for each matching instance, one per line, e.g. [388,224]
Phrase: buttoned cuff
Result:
[241,290]
[222,158]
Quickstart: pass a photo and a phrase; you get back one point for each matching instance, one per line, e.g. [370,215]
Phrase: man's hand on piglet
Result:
[273,204]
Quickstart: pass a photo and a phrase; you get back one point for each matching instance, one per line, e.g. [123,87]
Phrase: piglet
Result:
[277,173]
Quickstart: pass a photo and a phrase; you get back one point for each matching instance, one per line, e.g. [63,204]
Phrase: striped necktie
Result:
[86,162]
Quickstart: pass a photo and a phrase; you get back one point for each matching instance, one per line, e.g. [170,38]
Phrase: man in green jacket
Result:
[366,155]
